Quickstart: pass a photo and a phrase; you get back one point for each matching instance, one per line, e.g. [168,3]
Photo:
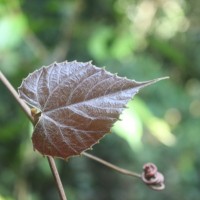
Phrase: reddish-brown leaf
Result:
[79,103]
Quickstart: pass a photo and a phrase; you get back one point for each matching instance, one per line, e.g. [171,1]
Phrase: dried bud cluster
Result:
[152,177]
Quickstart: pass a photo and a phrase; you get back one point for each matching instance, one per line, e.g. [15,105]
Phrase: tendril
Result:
[153,178]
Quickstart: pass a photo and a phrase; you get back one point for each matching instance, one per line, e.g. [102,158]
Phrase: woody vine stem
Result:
[150,176]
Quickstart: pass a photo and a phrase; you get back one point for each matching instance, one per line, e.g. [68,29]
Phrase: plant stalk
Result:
[26,109]
[110,165]
[10,88]
[55,173]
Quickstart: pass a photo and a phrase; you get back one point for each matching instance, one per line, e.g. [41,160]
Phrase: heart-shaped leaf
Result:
[79,103]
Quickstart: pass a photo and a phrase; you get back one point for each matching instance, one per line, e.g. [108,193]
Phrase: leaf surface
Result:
[79,103]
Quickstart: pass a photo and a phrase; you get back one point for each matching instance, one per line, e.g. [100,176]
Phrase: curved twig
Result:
[110,165]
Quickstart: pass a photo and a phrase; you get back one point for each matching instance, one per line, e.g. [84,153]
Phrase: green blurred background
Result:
[139,39]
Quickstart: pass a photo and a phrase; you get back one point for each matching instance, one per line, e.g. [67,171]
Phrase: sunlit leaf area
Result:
[137,39]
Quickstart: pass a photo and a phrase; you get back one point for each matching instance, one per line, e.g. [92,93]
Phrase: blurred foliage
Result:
[140,39]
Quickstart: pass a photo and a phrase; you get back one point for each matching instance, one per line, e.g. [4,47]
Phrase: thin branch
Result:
[26,109]
[56,177]
[114,167]
[10,88]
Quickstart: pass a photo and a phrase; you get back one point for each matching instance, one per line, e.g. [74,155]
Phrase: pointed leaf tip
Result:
[79,103]
[150,82]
